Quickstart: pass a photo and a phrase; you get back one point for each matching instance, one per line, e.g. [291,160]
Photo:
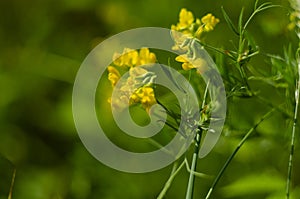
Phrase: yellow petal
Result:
[144,52]
[135,98]
[113,78]
[112,69]
[152,58]
[186,18]
[134,57]
[181,58]
[187,66]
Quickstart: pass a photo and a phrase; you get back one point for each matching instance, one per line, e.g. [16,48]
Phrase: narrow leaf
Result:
[229,22]
[241,21]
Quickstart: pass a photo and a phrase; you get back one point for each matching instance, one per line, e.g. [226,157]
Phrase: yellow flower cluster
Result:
[189,27]
[194,28]
[130,60]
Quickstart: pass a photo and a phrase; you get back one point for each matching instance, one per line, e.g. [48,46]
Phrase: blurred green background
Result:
[42,44]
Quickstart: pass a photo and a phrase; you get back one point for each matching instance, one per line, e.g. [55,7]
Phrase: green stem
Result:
[12,185]
[217,50]
[290,164]
[190,188]
[220,174]
[174,172]
[199,175]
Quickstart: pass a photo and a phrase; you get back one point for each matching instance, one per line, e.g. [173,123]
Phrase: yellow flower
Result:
[191,27]
[146,57]
[113,75]
[186,19]
[185,24]
[188,64]
[209,22]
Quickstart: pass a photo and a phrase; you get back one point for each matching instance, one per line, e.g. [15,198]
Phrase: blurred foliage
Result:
[42,44]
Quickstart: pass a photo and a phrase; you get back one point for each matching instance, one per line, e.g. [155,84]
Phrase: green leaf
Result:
[229,22]
[241,21]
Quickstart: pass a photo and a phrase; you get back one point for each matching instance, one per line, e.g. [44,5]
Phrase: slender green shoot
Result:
[174,172]
[191,182]
[221,172]
[258,9]
[190,188]
[12,184]
[197,174]
[292,146]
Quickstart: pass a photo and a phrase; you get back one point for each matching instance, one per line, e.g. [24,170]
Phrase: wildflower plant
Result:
[188,40]
[131,71]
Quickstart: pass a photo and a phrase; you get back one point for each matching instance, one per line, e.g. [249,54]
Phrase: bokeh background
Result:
[42,44]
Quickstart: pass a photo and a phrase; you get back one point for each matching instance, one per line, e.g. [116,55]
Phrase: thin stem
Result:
[190,188]
[290,164]
[220,174]
[197,174]
[174,172]
[217,50]
[12,185]
[261,8]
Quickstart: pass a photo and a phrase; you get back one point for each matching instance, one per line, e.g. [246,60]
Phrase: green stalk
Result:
[291,156]
[220,174]
[12,185]
[190,188]
[174,172]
